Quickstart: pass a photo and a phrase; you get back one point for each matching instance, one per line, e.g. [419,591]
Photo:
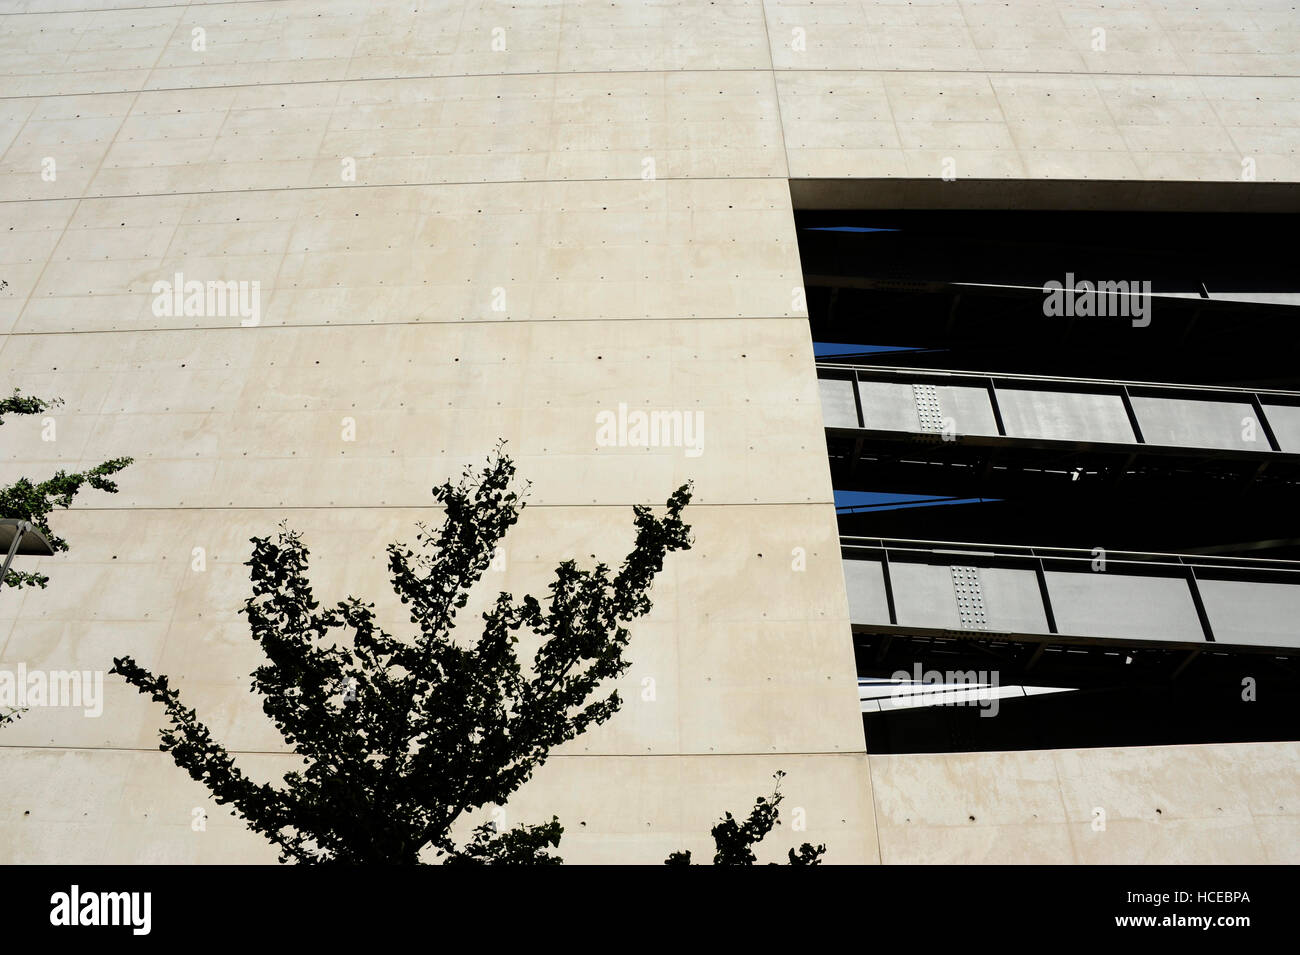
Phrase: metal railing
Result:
[1134,412]
[1072,595]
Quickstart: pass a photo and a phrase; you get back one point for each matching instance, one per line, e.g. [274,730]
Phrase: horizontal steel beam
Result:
[1071,597]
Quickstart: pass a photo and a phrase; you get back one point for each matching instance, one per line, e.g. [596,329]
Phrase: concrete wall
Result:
[1172,805]
[525,171]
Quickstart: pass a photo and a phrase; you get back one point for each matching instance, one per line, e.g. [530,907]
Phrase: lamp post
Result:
[21,537]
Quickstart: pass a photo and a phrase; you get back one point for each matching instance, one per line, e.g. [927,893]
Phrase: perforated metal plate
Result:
[970,597]
[928,409]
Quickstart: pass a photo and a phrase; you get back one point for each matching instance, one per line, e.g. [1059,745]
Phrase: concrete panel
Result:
[1118,92]
[707,700]
[137,807]
[655,806]
[400,132]
[1034,36]
[1209,804]
[1191,423]
[748,657]
[982,808]
[301,41]
[1155,103]
[318,416]
[873,123]
[1111,604]
[615,176]
[522,169]
[1155,798]
[1064,416]
[532,251]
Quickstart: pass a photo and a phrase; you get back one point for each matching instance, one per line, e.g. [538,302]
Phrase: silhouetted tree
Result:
[401,738]
[735,841]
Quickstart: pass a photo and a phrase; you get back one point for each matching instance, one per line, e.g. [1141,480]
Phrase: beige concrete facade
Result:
[455,243]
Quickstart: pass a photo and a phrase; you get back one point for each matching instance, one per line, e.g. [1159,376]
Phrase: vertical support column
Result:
[1041,573]
[857,400]
[889,584]
[1201,615]
[1262,418]
[1132,415]
[997,409]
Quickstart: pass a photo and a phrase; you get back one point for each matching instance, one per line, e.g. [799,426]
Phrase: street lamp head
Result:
[30,541]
